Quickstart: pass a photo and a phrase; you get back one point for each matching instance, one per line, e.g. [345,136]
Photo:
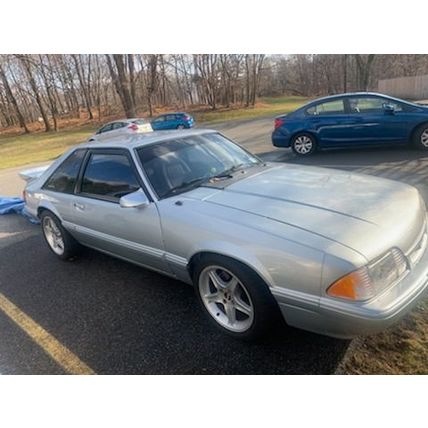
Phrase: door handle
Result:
[78,206]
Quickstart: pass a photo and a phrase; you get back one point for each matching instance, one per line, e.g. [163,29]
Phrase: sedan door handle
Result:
[78,206]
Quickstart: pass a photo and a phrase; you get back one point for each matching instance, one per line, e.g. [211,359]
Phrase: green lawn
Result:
[39,147]
[265,107]
[42,146]
[402,349]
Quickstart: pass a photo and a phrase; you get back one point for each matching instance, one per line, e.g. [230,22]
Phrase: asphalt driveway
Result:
[119,318]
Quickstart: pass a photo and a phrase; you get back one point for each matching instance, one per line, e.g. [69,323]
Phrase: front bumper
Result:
[337,318]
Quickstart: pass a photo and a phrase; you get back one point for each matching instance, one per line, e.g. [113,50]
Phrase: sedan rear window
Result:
[109,176]
[139,121]
[329,107]
[64,178]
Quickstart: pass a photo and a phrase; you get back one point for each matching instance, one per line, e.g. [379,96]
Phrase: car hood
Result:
[367,214]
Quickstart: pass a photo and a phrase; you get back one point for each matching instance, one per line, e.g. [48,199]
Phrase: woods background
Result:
[46,88]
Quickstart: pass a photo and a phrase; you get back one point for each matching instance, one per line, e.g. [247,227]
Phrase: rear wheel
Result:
[420,137]
[59,241]
[303,144]
[235,298]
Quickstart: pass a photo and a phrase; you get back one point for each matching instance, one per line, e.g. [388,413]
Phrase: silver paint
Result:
[300,228]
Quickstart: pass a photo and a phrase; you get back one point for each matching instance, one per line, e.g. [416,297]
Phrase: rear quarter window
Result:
[328,107]
[65,176]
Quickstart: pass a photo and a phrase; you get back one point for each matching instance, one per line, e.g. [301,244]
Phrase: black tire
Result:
[303,144]
[420,137]
[266,312]
[181,127]
[71,248]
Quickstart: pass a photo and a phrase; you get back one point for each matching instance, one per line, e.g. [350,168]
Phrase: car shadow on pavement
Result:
[123,319]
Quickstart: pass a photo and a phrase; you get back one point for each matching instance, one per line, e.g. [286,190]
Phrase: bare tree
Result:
[27,62]
[12,99]
[121,83]
[83,86]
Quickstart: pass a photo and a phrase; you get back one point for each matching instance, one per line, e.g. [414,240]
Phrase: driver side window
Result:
[109,176]
[361,105]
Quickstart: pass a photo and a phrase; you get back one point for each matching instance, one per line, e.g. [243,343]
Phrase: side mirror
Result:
[136,199]
[388,109]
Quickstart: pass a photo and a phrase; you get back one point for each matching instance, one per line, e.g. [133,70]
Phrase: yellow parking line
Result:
[63,356]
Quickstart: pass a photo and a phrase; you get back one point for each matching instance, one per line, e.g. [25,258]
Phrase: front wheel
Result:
[420,137]
[235,299]
[180,127]
[303,144]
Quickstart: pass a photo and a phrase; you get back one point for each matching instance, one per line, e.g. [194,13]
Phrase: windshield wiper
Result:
[227,172]
[185,185]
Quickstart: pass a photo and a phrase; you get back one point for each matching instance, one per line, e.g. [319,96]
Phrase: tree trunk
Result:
[120,81]
[12,99]
[82,85]
[27,67]
[50,95]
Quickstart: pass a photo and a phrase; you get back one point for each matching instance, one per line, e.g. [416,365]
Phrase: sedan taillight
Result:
[133,127]
[278,122]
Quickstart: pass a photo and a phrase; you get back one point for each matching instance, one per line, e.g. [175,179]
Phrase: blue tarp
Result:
[10,205]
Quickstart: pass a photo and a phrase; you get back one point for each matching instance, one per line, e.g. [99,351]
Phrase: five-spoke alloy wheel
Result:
[59,241]
[53,235]
[226,298]
[234,297]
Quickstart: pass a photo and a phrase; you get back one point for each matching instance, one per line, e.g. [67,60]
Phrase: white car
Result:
[121,127]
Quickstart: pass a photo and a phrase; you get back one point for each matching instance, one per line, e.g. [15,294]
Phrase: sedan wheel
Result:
[303,145]
[53,236]
[180,127]
[424,138]
[420,137]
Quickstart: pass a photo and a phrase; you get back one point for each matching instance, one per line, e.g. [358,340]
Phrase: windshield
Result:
[179,165]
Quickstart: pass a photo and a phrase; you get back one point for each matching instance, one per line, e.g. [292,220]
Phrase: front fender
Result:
[234,252]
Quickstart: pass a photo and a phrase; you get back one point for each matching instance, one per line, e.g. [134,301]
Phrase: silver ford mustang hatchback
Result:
[333,252]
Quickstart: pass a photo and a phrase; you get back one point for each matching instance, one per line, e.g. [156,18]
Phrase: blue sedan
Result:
[352,120]
[172,121]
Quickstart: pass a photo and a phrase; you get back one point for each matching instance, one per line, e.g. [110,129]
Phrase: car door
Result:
[377,125]
[171,121]
[117,128]
[331,123]
[100,222]
[104,132]
[159,123]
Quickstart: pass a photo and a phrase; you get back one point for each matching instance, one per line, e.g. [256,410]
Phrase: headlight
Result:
[368,281]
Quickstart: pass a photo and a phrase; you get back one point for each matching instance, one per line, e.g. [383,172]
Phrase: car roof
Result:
[349,95]
[172,112]
[126,120]
[143,139]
